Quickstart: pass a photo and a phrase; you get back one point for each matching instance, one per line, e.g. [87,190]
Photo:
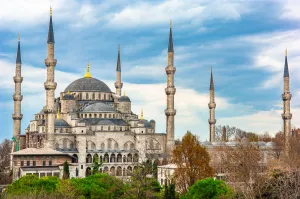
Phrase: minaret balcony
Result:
[17,116]
[286,96]
[170,112]
[17,97]
[170,90]
[50,85]
[212,121]
[212,105]
[170,70]
[50,62]
[49,110]
[118,84]
[18,79]
[286,116]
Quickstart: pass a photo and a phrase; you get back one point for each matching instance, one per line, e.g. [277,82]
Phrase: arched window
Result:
[129,158]
[89,158]
[135,158]
[104,115]
[151,144]
[93,96]
[109,128]
[129,170]
[99,96]
[100,116]
[124,158]
[64,143]
[106,158]
[131,146]
[116,146]
[112,158]
[86,96]
[109,144]
[112,171]
[125,146]
[105,170]
[102,146]
[119,171]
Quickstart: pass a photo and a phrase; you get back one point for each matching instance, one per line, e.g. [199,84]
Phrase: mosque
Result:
[88,122]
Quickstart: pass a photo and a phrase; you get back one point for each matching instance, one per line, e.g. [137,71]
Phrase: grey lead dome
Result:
[88,84]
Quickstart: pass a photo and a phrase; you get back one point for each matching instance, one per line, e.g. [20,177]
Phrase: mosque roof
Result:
[68,97]
[35,151]
[61,123]
[88,84]
[99,107]
[101,121]
[124,99]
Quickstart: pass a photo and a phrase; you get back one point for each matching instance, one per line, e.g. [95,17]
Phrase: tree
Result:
[169,192]
[141,185]
[192,162]
[96,165]
[209,188]
[241,165]
[5,150]
[66,173]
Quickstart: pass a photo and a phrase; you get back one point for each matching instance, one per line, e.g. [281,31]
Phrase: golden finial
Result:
[142,115]
[18,37]
[88,74]
[286,52]
[171,23]
[124,93]
[50,11]
[58,113]
[69,92]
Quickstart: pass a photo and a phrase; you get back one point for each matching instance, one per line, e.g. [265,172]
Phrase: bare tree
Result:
[5,150]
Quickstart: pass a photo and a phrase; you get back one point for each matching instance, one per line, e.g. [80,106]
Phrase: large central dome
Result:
[88,84]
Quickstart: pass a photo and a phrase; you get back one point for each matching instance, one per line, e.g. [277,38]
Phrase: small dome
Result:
[61,123]
[146,123]
[88,84]
[68,97]
[152,121]
[124,99]
[99,107]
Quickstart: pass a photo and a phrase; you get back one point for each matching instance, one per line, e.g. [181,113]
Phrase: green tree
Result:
[66,173]
[209,188]
[96,165]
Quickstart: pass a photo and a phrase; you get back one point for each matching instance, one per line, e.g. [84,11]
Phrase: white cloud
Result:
[291,9]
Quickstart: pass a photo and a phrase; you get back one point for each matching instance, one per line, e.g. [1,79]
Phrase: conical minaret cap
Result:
[50,32]
[211,87]
[18,59]
[119,60]
[170,46]
[286,66]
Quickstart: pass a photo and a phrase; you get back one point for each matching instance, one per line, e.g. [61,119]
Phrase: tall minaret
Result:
[286,97]
[211,106]
[17,116]
[50,86]
[118,83]
[170,91]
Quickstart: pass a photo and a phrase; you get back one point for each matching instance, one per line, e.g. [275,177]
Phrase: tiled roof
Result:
[35,151]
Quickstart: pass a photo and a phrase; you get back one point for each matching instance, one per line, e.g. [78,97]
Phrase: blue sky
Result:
[244,41]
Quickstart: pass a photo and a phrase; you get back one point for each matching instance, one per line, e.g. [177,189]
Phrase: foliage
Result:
[192,161]
[95,186]
[169,192]
[209,188]
[96,165]
[142,185]
[66,170]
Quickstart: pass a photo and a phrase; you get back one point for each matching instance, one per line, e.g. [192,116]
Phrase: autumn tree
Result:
[192,161]
[66,173]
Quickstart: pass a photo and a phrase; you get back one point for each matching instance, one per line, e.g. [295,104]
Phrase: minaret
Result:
[286,97]
[211,106]
[170,92]
[17,97]
[50,86]
[118,83]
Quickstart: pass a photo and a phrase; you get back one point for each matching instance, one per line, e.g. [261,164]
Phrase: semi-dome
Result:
[124,99]
[61,123]
[88,84]
[99,107]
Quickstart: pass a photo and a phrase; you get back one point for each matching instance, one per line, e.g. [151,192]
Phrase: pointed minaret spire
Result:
[18,60]
[211,80]
[211,105]
[170,111]
[119,60]
[170,46]
[50,32]
[50,86]
[286,97]
[286,66]
[118,83]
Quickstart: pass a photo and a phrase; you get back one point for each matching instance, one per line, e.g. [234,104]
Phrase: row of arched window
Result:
[100,115]
[106,158]
[114,171]
[110,144]
[94,96]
